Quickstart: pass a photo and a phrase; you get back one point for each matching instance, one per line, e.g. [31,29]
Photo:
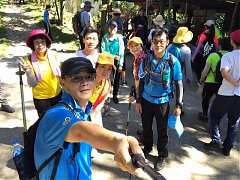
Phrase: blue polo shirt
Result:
[153,91]
[50,136]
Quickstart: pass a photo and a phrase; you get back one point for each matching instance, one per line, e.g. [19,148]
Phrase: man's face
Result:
[91,41]
[79,86]
[40,45]
[159,43]
[135,48]
[103,71]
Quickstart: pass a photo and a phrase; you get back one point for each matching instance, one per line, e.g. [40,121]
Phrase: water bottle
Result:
[165,78]
[17,149]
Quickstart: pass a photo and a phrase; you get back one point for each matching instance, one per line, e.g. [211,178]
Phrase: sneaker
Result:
[226,152]
[115,99]
[213,146]
[159,163]
[202,117]
[124,83]
[7,108]
[146,152]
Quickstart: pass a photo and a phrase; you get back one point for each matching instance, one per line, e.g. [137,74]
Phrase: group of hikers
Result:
[163,63]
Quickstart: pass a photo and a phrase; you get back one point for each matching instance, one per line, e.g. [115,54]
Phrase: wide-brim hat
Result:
[159,20]
[73,66]
[136,40]
[38,32]
[183,35]
[209,23]
[106,58]
[116,11]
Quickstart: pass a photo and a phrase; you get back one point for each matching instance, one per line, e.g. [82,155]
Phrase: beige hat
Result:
[209,23]
[159,21]
[136,40]
[116,11]
[183,35]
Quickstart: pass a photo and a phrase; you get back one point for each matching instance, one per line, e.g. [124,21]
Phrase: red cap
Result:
[235,36]
[37,32]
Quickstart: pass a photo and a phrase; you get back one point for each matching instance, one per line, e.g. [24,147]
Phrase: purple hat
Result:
[112,23]
[37,32]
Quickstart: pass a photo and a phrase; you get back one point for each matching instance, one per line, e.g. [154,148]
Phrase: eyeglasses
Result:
[81,79]
[159,41]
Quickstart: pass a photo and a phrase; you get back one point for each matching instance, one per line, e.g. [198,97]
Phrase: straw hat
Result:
[159,21]
[136,40]
[183,35]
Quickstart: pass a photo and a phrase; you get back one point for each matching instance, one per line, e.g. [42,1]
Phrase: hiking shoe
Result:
[124,83]
[226,152]
[213,146]
[7,108]
[202,117]
[115,99]
[159,163]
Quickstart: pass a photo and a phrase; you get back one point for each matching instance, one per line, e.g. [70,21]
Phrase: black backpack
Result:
[76,23]
[25,161]
[217,73]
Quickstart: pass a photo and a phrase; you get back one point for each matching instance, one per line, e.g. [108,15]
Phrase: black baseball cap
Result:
[73,66]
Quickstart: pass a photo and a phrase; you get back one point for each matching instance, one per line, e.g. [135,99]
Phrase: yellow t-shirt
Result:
[49,85]
[100,93]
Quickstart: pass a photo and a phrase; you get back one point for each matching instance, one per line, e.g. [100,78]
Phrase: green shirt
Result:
[212,61]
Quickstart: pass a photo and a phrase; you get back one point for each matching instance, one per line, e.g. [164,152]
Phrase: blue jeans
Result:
[224,105]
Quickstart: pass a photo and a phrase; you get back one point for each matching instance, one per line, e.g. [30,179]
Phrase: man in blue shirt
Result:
[71,131]
[46,21]
[157,73]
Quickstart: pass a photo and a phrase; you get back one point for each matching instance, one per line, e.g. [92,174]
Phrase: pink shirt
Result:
[203,37]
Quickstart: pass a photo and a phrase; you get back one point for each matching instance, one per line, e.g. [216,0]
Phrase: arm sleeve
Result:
[226,63]
[179,91]
[60,124]
[121,50]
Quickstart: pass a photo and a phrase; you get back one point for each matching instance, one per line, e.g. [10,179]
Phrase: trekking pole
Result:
[129,109]
[20,73]
[128,115]
[139,162]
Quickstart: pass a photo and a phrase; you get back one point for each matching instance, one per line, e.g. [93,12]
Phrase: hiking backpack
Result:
[147,70]
[76,23]
[24,162]
[217,74]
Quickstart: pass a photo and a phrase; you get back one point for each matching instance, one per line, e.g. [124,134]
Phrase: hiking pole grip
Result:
[139,161]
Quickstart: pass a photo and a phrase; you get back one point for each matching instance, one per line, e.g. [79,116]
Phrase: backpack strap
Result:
[56,156]
[220,56]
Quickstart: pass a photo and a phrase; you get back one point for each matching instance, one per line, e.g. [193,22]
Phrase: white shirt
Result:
[93,57]
[230,61]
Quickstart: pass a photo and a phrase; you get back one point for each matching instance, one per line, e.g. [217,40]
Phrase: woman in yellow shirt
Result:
[104,67]
[42,70]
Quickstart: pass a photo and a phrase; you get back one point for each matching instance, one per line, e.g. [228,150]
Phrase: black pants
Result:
[209,89]
[224,105]
[81,42]
[116,81]
[160,112]
[48,30]
[42,105]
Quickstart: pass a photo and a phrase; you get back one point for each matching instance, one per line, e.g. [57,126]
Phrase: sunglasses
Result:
[80,78]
